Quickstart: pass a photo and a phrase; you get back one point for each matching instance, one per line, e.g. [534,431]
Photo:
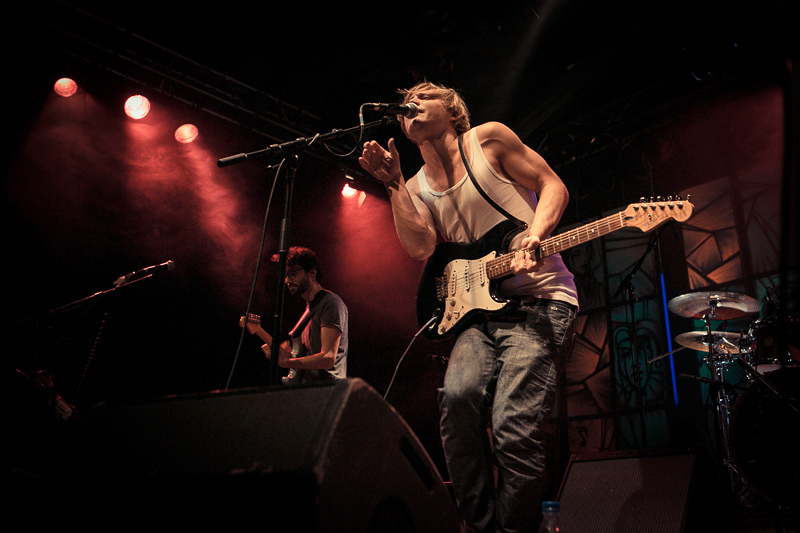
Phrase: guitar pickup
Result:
[441,288]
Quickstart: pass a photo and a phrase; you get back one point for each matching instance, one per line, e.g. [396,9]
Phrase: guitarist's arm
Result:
[413,220]
[284,352]
[518,162]
[323,360]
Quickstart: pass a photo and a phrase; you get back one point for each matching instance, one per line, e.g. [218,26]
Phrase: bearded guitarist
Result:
[317,345]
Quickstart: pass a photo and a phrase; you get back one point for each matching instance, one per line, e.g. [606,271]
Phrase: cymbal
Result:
[717,304]
[700,340]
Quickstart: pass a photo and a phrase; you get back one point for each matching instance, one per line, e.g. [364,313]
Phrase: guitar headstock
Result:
[649,214]
[252,320]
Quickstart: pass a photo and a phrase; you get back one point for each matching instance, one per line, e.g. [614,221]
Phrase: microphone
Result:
[169,265]
[407,110]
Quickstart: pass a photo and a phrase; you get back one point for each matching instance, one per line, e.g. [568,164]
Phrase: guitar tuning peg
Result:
[643,200]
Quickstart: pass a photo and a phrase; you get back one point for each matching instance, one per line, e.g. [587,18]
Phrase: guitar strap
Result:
[480,189]
[512,314]
[295,375]
[301,324]
[306,316]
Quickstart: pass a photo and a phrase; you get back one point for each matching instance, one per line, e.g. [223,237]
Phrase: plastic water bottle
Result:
[551,518]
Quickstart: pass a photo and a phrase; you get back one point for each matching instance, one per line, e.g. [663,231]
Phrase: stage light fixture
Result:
[186,133]
[137,107]
[65,87]
[348,191]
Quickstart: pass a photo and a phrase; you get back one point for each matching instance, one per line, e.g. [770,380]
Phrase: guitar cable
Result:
[428,324]
[255,274]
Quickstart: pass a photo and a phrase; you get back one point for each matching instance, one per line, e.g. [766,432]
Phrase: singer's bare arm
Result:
[412,219]
[511,157]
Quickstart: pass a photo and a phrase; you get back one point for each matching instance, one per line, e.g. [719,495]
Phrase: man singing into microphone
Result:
[503,369]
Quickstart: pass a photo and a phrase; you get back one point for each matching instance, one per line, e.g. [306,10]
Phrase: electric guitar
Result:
[460,281]
[253,323]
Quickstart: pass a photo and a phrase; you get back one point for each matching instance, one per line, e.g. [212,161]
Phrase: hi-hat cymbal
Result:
[700,340]
[716,304]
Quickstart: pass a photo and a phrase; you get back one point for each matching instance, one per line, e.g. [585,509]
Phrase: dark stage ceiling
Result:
[566,75]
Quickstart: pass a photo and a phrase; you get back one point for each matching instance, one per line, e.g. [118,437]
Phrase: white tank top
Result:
[462,215]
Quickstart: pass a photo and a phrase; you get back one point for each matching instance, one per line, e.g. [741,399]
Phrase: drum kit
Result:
[759,422]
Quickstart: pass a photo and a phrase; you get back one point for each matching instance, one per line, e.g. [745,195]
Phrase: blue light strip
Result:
[669,341]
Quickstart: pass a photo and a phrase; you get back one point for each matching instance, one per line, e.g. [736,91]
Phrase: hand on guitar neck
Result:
[288,350]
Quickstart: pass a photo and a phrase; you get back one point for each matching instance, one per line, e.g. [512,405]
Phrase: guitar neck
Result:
[253,323]
[500,266]
[263,335]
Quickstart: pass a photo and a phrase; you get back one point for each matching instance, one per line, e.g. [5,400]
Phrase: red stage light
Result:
[348,191]
[186,133]
[137,107]
[65,87]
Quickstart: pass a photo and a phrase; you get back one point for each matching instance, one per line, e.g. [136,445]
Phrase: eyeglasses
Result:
[293,273]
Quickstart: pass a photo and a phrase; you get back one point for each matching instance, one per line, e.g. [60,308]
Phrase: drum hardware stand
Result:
[718,358]
[721,305]
[711,382]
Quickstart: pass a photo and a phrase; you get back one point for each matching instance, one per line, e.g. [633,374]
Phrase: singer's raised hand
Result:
[384,165]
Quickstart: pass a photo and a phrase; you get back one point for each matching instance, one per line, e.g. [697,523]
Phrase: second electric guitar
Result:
[253,326]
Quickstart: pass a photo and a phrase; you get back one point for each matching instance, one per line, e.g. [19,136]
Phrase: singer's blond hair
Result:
[451,97]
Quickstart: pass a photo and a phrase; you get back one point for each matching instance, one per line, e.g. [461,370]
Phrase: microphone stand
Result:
[283,252]
[627,285]
[290,150]
[87,302]
[631,297]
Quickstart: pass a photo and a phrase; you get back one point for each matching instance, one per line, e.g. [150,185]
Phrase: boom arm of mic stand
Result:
[296,146]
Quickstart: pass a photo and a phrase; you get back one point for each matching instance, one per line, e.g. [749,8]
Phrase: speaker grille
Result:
[627,493]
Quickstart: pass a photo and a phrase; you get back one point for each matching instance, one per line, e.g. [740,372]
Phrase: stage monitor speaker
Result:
[630,492]
[333,457]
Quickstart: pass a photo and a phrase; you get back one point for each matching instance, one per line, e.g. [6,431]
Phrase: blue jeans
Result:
[507,369]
